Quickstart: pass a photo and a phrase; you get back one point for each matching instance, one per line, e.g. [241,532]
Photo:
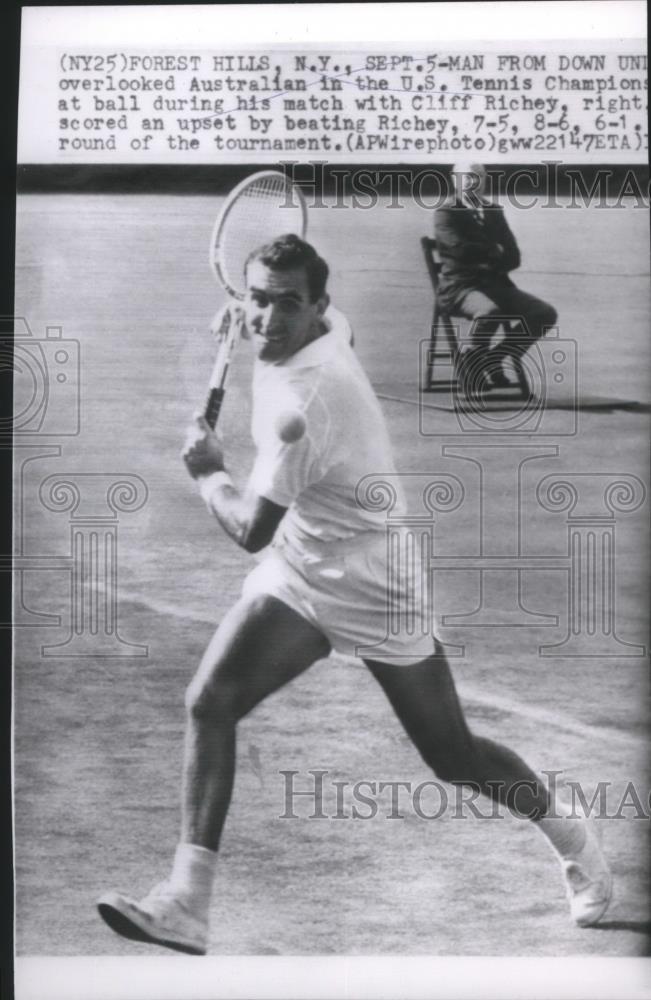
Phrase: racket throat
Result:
[214,405]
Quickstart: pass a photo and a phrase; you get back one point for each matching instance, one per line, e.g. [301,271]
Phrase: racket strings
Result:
[267,208]
[268,187]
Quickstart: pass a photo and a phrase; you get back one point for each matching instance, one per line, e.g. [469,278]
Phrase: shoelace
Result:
[577,877]
[162,895]
[579,880]
[162,890]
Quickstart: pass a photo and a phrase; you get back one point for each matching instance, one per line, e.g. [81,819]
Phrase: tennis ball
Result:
[290,426]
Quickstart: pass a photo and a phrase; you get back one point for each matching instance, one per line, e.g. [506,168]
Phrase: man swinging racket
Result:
[318,429]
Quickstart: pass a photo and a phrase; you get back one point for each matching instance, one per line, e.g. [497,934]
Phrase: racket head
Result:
[261,208]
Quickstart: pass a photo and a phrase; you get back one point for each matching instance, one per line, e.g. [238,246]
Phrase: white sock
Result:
[193,873]
[566,833]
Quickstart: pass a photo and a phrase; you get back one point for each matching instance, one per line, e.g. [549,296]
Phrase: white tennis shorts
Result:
[365,603]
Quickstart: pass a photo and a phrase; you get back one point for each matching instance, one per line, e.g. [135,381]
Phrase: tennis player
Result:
[322,585]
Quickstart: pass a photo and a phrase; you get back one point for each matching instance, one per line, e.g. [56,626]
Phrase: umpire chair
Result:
[444,345]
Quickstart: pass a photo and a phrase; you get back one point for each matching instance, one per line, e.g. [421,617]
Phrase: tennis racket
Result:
[261,208]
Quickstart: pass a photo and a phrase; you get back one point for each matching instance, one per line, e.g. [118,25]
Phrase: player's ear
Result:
[322,304]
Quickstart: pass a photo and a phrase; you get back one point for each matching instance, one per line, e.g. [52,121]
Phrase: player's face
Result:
[279,313]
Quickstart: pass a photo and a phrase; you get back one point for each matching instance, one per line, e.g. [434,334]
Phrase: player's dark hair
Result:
[288,252]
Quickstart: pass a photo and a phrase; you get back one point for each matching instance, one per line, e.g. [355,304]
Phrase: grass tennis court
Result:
[98,741]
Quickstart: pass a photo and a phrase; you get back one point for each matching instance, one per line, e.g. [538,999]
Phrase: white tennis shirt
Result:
[346,438]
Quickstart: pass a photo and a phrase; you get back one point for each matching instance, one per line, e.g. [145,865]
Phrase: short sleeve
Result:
[339,324]
[281,471]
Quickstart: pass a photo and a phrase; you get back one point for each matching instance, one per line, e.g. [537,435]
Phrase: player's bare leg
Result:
[425,700]
[260,645]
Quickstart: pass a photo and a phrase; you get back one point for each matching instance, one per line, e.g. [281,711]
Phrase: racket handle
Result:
[213,406]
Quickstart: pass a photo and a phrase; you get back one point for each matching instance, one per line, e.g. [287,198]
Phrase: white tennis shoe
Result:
[160,918]
[589,882]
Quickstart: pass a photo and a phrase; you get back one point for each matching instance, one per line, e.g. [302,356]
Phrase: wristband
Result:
[208,484]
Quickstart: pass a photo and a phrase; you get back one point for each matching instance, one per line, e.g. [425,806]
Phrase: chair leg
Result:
[431,351]
[453,343]
[441,325]
[520,372]
[429,359]
[523,381]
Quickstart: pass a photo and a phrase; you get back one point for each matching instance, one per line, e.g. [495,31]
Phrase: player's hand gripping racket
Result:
[258,210]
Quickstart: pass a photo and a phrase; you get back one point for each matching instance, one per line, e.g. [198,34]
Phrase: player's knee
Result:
[451,766]
[449,770]
[213,703]
[197,700]
[442,764]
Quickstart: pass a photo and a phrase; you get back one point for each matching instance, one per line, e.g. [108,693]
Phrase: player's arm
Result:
[250,520]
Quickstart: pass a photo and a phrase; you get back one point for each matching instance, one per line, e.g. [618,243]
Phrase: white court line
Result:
[511,706]
[165,608]
[559,720]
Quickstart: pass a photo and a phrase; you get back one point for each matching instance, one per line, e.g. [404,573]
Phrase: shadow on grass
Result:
[586,406]
[594,405]
[635,926]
